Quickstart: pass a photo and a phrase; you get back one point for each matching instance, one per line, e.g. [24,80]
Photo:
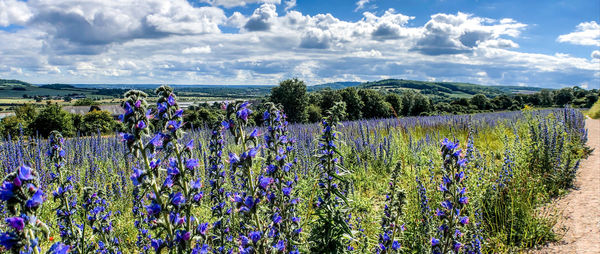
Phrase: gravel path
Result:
[580,209]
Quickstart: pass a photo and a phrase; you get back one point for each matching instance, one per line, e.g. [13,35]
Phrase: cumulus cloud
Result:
[13,12]
[262,18]
[596,54]
[173,42]
[461,33]
[236,3]
[75,27]
[586,33]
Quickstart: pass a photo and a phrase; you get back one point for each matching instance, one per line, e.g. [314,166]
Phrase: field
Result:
[470,183]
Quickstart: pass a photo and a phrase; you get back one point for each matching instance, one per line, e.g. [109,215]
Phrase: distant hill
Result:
[58,86]
[334,85]
[432,89]
[11,83]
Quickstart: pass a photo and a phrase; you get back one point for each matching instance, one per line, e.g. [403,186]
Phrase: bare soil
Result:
[579,211]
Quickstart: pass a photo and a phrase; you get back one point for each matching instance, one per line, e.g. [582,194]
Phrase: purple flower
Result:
[157,140]
[395,245]
[178,113]
[59,248]
[161,107]
[264,182]
[7,191]
[173,125]
[25,173]
[16,223]
[243,113]
[141,124]
[254,133]
[447,204]
[153,209]
[255,236]
[178,199]
[135,176]
[463,200]
[266,115]
[171,100]
[138,104]
[286,191]
[276,218]
[191,164]
[8,240]
[464,220]
[457,246]
[36,200]
[434,241]
[202,228]
[280,246]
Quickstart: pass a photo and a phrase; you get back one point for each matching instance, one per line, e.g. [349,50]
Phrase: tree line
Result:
[301,106]
[363,103]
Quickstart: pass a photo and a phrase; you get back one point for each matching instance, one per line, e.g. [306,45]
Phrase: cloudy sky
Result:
[537,43]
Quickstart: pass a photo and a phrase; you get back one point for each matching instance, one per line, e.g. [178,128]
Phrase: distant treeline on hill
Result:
[382,99]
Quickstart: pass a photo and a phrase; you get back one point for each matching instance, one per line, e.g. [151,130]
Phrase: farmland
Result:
[470,183]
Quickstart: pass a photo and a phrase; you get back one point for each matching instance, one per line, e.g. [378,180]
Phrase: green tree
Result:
[12,125]
[97,120]
[329,98]
[52,117]
[314,113]
[27,112]
[291,94]
[563,96]
[421,105]
[354,105]
[395,100]
[200,116]
[85,102]
[375,105]
[502,102]
[480,101]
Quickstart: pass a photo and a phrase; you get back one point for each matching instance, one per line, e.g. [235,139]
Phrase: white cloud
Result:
[290,4]
[235,3]
[596,54]
[13,12]
[262,18]
[197,50]
[173,42]
[360,4]
[461,33]
[586,33]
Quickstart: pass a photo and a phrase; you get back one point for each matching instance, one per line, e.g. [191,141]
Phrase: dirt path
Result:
[580,217]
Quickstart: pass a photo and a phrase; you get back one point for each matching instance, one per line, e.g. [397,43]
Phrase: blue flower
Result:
[191,163]
[25,173]
[255,236]
[153,209]
[36,200]
[280,246]
[434,241]
[178,199]
[59,248]
[141,125]
[8,240]
[7,191]
[16,223]
[173,125]
[395,245]
[171,100]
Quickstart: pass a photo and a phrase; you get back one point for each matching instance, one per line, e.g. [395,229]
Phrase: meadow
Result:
[435,184]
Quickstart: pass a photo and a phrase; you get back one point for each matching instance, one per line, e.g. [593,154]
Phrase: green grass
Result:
[594,111]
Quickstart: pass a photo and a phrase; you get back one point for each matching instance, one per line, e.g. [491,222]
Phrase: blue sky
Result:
[526,43]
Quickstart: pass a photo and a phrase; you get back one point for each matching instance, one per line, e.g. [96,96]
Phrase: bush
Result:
[97,120]
[52,117]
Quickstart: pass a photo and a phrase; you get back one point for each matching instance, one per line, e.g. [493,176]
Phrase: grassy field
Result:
[512,168]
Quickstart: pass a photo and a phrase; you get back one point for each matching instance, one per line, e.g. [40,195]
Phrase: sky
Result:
[261,42]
